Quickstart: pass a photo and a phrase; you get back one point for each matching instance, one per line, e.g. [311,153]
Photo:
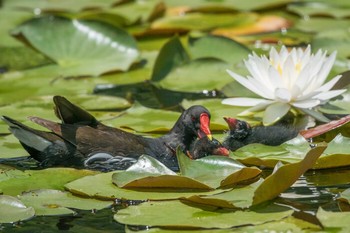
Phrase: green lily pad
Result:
[263,190]
[316,9]
[335,40]
[289,224]
[336,154]
[144,119]
[218,47]
[64,5]
[105,189]
[10,147]
[55,202]
[334,221]
[200,21]
[216,171]
[13,210]
[176,213]
[148,172]
[320,24]
[171,55]
[199,75]
[228,5]
[51,178]
[86,47]
[135,11]
[205,173]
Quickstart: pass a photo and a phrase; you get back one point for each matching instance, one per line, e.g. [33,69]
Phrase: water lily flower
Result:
[285,80]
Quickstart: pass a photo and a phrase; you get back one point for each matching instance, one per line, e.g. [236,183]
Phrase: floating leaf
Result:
[205,173]
[337,153]
[262,24]
[53,178]
[105,189]
[272,185]
[216,171]
[64,5]
[199,21]
[263,190]
[334,220]
[218,47]
[148,172]
[317,9]
[176,213]
[56,202]
[171,55]
[197,76]
[13,210]
[144,119]
[86,47]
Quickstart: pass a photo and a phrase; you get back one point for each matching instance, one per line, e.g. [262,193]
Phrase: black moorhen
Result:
[241,134]
[81,141]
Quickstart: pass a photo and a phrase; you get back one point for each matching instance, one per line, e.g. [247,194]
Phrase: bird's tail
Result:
[72,114]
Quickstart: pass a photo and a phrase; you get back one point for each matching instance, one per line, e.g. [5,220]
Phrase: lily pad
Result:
[86,47]
[317,9]
[197,76]
[148,172]
[216,171]
[176,213]
[54,178]
[334,220]
[55,202]
[219,47]
[171,55]
[263,190]
[336,154]
[200,21]
[143,119]
[105,189]
[205,173]
[13,210]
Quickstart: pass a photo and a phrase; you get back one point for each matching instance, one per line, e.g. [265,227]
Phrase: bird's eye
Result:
[193,118]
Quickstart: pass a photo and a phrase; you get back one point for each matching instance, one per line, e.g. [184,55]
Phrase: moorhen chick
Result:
[81,141]
[203,147]
[241,134]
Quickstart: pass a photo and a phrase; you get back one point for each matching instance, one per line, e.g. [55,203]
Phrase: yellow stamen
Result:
[279,69]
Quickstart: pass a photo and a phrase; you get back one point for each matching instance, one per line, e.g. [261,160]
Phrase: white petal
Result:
[243,101]
[330,84]
[326,68]
[316,115]
[329,94]
[275,78]
[256,108]
[283,95]
[243,81]
[275,112]
[309,103]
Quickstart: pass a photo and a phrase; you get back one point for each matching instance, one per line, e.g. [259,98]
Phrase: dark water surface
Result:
[313,190]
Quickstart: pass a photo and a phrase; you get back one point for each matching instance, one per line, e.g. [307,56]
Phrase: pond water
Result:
[318,188]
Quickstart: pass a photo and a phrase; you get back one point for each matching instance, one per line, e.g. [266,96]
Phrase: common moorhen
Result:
[81,141]
[241,134]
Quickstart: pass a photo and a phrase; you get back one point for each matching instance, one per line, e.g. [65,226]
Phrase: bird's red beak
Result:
[231,122]
[204,129]
[221,151]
